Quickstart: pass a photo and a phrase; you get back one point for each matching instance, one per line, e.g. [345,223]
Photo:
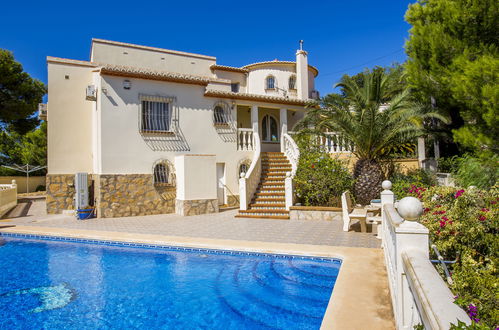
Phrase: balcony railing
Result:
[245,139]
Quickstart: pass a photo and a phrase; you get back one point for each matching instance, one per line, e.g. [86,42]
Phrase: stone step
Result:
[275,206]
[278,189]
[277,217]
[265,212]
[270,195]
[268,200]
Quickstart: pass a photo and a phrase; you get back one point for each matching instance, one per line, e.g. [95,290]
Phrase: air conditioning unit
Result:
[91,93]
[314,95]
[81,190]
[42,111]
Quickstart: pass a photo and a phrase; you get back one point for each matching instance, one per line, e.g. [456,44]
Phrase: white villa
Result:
[162,131]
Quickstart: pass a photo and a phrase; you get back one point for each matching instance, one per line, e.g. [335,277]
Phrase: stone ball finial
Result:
[242,175]
[410,208]
[387,185]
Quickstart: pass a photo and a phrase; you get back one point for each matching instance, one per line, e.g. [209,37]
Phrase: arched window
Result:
[163,173]
[221,113]
[292,82]
[270,129]
[270,82]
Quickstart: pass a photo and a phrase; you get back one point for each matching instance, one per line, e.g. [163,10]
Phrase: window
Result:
[155,115]
[292,82]
[161,174]
[270,131]
[234,88]
[270,82]
[221,114]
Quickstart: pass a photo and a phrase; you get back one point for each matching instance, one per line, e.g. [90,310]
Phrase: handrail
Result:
[291,151]
[249,182]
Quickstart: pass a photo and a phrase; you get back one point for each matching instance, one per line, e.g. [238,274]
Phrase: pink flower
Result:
[485,209]
[482,218]
[442,224]
[444,218]
[459,193]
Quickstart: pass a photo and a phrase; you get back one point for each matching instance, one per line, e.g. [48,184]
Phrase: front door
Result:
[221,183]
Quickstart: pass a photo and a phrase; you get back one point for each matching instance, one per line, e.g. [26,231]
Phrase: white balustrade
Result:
[419,295]
[249,181]
[293,155]
[335,143]
[245,139]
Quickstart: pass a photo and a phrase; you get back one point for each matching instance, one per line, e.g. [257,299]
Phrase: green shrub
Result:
[320,179]
[481,171]
[40,187]
[465,223]
[448,164]
[412,183]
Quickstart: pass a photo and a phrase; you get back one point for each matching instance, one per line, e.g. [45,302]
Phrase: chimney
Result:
[302,73]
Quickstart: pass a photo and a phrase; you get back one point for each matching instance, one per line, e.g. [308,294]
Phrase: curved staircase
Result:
[269,200]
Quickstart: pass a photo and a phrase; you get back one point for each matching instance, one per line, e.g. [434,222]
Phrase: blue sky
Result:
[341,36]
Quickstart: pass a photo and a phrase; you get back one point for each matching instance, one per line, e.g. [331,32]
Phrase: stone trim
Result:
[316,208]
[60,192]
[196,207]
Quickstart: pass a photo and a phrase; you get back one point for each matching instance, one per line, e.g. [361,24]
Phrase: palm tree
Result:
[374,113]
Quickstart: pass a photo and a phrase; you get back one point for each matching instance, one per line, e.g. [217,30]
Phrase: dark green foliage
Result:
[320,179]
[30,148]
[19,95]
[453,57]
[481,171]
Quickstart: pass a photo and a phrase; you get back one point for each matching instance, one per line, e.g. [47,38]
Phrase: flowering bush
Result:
[413,183]
[464,224]
[320,179]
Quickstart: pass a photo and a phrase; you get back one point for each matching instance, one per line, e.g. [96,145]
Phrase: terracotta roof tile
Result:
[254,97]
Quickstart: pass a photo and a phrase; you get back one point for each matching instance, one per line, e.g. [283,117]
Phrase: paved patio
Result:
[31,212]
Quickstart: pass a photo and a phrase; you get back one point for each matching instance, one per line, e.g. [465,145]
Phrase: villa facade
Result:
[162,131]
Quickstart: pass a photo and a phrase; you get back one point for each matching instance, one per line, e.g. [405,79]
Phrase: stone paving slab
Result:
[221,225]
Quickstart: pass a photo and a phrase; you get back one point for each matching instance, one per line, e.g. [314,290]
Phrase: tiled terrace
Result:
[214,226]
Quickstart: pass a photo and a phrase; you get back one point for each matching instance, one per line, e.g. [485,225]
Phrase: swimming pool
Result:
[58,283]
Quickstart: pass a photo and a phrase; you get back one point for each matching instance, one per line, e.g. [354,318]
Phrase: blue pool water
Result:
[51,284]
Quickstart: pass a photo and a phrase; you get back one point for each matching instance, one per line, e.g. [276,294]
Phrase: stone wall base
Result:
[60,192]
[196,207]
[125,195]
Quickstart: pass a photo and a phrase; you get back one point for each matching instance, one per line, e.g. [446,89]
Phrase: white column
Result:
[283,119]
[421,151]
[254,118]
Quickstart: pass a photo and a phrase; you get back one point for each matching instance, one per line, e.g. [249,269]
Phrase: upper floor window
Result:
[270,130]
[155,114]
[270,82]
[221,114]
[234,88]
[292,82]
